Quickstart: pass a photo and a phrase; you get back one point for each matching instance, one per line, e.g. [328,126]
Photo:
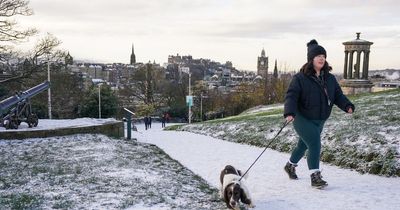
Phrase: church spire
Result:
[133,57]
[276,70]
[263,52]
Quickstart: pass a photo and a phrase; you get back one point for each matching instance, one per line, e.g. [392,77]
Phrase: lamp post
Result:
[189,97]
[49,91]
[99,100]
[190,108]
[201,107]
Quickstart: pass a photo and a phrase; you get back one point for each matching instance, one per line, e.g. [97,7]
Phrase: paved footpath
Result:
[268,183]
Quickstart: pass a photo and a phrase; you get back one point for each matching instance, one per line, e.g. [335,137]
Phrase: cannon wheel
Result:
[33,120]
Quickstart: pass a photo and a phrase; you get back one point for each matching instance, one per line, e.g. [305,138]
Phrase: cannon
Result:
[17,108]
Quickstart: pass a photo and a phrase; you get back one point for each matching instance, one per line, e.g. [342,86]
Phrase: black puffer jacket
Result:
[306,95]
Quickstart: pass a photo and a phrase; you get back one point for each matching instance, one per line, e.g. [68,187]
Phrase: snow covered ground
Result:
[91,171]
[94,172]
[268,183]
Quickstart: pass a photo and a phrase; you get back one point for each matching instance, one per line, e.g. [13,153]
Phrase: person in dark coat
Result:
[163,119]
[308,103]
[146,122]
[149,122]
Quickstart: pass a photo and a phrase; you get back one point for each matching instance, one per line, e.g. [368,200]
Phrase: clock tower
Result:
[262,65]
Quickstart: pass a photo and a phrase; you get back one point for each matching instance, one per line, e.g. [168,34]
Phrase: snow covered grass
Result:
[97,172]
[367,141]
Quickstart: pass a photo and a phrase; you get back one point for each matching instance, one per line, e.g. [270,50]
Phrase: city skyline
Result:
[223,30]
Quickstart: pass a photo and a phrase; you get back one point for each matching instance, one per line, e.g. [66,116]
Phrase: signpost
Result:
[129,115]
[189,101]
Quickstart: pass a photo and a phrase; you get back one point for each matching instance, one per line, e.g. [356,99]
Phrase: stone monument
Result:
[355,81]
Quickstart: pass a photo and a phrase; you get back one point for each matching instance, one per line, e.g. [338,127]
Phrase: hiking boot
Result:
[316,180]
[291,170]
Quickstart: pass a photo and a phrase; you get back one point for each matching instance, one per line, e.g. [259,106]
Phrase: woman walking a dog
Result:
[308,103]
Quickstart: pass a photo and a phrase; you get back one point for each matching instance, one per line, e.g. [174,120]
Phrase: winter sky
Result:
[222,30]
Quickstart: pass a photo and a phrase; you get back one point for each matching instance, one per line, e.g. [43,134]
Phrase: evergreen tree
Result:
[109,103]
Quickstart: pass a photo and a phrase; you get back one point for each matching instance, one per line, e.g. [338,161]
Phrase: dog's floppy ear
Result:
[226,197]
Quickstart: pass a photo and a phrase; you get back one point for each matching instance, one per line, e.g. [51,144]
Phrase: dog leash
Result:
[266,147]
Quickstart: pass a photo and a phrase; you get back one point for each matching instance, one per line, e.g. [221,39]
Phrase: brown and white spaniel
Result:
[232,190]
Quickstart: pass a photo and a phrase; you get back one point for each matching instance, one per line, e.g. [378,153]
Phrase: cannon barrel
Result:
[7,103]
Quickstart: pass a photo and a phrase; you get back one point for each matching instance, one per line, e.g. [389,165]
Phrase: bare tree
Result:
[10,32]
[45,50]
[8,27]
[145,84]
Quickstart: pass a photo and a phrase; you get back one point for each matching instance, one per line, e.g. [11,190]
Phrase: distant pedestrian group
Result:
[164,119]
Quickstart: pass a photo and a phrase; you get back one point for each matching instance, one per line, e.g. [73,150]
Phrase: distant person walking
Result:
[146,122]
[308,103]
[163,119]
[149,124]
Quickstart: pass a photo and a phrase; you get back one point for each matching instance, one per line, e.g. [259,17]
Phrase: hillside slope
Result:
[367,141]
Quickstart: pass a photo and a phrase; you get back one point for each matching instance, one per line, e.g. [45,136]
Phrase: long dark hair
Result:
[308,68]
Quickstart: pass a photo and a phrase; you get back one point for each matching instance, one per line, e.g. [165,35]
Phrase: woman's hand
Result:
[350,110]
[289,118]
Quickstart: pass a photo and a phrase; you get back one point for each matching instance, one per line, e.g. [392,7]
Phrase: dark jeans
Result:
[309,132]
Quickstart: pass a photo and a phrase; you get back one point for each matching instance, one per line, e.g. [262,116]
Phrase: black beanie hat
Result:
[313,49]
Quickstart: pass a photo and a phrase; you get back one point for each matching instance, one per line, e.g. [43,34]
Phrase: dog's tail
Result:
[241,174]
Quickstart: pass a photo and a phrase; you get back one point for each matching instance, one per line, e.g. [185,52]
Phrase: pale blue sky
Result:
[222,30]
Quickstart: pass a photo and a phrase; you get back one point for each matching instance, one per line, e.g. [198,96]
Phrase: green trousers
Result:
[309,132]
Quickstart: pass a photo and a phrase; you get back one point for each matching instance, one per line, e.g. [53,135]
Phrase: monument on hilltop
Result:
[356,74]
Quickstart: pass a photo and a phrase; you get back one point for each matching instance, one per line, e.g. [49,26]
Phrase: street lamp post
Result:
[201,107]
[189,97]
[190,108]
[49,91]
[99,100]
